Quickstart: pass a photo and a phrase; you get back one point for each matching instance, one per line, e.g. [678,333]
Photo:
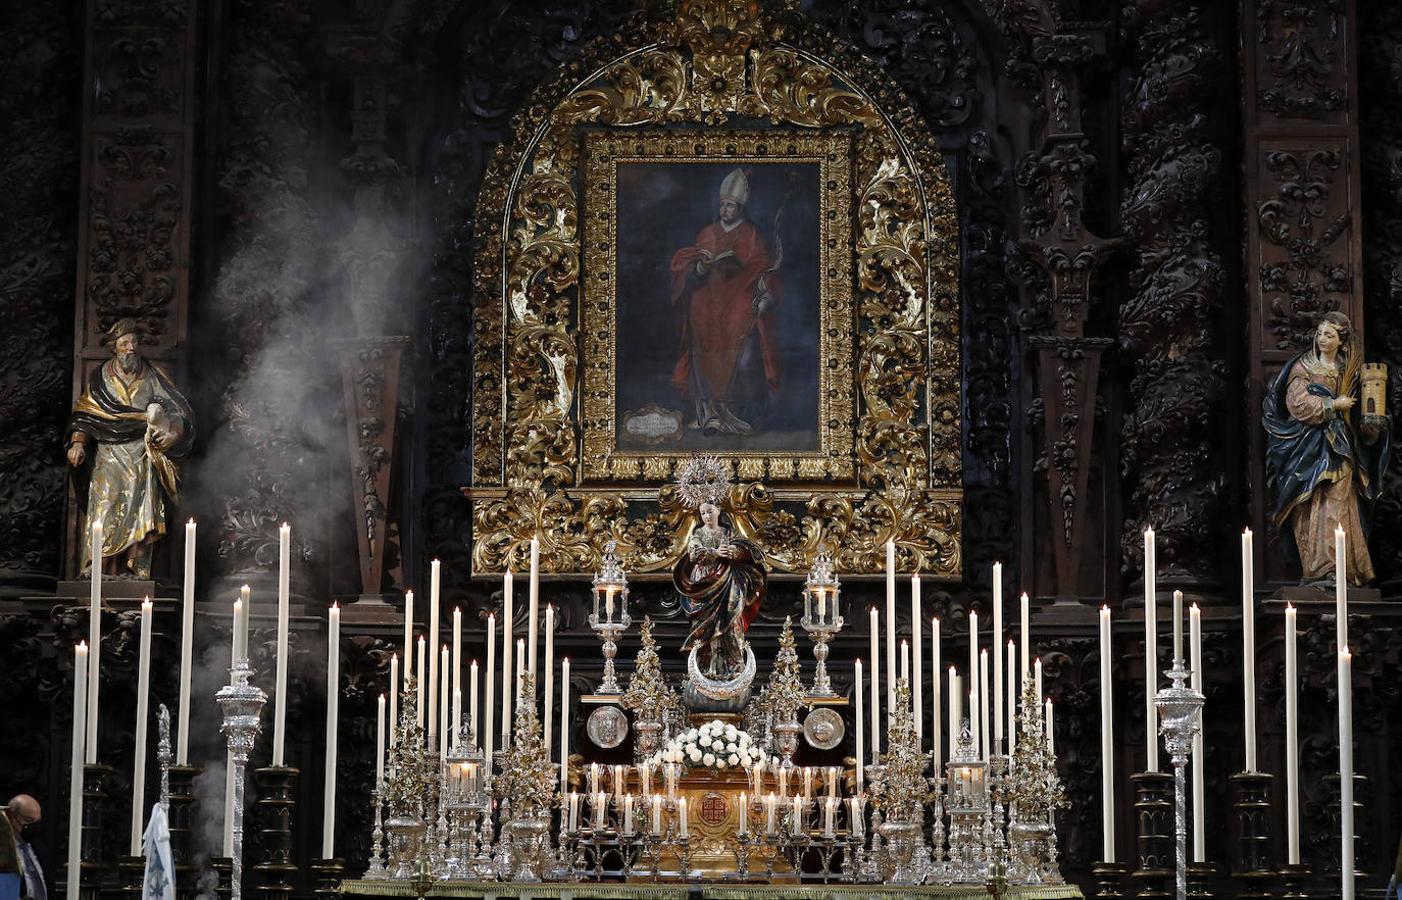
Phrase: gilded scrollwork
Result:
[543,403]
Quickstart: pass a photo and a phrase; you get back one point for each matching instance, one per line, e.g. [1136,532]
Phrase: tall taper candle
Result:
[420,708]
[284,555]
[1292,739]
[444,661]
[1346,863]
[456,665]
[489,698]
[936,684]
[520,672]
[508,679]
[549,699]
[534,623]
[565,725]
[1199,785]
[1014,691]
[973,714]
[954,700]
[409,638]
[333,700]
[861,722]
[473,734]
[393,699]
[143,693]
[875,688]
[380,744]
[905,660]
[1049,727]
[187,645]
[75,766]
[984,743]
[996,643]
[434,656]
[973,657]
[244,595]
[1178,625]
[1151,657]
[1025,659]
[1107,743]
[1248,646]
[94,642]
[917,687]
[890,626]
[1037,678]
[1341,586]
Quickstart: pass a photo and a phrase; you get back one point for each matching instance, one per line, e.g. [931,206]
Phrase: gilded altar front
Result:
[716,82]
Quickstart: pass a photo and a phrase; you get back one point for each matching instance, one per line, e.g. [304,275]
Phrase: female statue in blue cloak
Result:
[1324,469]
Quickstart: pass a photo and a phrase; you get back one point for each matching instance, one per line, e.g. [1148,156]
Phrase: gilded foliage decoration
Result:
[726,66]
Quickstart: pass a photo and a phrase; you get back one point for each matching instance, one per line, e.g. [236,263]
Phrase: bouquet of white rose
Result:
[715,745]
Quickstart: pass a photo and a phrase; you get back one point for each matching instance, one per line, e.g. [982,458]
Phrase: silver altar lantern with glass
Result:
[610,590]
[821,618]
[966,801]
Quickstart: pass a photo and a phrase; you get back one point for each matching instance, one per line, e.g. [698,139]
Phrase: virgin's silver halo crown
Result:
[703,479]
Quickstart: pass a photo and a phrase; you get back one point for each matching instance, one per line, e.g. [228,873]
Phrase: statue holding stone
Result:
[127,429]
[1325,458]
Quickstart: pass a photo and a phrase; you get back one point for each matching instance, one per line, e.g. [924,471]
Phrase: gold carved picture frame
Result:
[833,348]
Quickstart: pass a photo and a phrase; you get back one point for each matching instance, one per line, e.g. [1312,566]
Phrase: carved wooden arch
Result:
[719,63]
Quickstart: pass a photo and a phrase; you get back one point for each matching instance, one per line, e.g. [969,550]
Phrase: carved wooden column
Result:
[1303,218]
[137,178]
[1057,240]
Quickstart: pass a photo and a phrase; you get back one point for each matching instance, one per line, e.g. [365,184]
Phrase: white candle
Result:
[656,813]
[419,698]
[333,700]
[796,820]
[1346,862]
[75,764]
[243,621]
[393,699]
[1341,586]
[1037,678]
[234,628]
[549,675]
[280,679]
[1026,653]
[187,644]
[681,815]
[1050,731]
[434,661]
[507,685]
[905,660]
[564,722]
[954,699]
[1151,657]
[936,738]
[472,733]
[488,732]
[380,744]
[973,656]
[94,641]
[1199,785]
[1292,739]
[138,770]
[973,714]
[995,643]
[854,814]
[627,813]
[1248,646]
[745,813]
[917,687]
[1177,625]
[861,729]
[983,741]
[830,813]
[890,627]
[444,661]
[457,676]
[409,638]
[771,804]
[876,687]
[1013,693]
[1107,743]
[520,672]
[534,597]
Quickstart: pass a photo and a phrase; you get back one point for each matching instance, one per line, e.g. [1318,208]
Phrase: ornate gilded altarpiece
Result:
[721,81]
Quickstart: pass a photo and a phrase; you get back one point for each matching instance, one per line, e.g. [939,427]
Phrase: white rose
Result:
[731,747]
[733,759]
[674,756]
[709,759]
[694,754]
[717,744]
[730,731]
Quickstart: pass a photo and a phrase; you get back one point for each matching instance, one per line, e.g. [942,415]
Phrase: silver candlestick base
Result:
[242,705]
[1180,718]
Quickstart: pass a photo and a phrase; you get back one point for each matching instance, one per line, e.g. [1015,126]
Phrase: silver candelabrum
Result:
[242,705]
[610,586]
[820,593]
[1180,718]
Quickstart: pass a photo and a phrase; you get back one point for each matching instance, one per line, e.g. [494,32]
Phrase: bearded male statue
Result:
[130,424]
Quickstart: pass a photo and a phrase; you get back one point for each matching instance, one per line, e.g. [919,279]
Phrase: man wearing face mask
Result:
[132,423]
[20,874]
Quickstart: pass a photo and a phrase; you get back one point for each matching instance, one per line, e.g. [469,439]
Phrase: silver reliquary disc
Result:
[823,728]
[607,727]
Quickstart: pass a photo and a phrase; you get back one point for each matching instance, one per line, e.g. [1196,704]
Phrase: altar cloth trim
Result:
[477,890]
